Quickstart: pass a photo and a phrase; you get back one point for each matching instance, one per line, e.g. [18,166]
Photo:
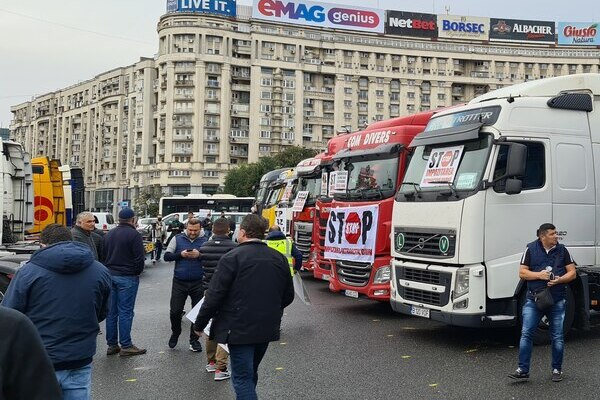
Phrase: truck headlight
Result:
[461,285]
[382,275]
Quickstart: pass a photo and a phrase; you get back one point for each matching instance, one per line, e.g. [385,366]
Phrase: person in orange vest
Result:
[278,241]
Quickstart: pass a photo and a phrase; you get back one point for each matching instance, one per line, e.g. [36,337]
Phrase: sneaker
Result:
[173,341]
[519,375]
[195,346]
[556,375]
[112,350]
[211,367]
[222,375]
[131,351]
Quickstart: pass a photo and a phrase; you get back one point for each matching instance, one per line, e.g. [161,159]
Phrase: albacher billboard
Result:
[578,33]
[320,15]
[515,30]
[461,27]
[220,7]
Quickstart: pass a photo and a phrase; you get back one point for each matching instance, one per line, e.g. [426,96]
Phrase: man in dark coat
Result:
[246,297]
[65,293]
[124,257]
[211,252]
[84,232]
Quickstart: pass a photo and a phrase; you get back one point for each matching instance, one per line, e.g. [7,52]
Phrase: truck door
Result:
[511,220]
[573,196]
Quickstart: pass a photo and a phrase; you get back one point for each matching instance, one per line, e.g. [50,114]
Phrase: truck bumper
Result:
[374,291]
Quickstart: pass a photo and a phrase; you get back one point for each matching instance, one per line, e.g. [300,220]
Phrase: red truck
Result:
[374,160]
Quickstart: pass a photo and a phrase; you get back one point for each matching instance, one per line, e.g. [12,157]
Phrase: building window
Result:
[265,134]
[265,95]
[180,190]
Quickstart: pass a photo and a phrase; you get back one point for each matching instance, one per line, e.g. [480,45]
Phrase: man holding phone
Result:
[187,278]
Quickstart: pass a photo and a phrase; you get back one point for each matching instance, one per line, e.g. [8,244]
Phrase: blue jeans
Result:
[120,314]
[531,319]
[76,384]
[245,360]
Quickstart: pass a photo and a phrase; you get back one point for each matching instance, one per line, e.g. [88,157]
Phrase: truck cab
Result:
[279,193]
[482,178]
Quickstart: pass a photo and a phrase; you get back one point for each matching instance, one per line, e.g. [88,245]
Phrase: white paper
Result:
[324,183]
[193,314]
[301,198]
[442,166]
[341,181]
[281,219]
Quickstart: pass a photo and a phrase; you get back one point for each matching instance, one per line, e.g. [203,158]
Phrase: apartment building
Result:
[225,91]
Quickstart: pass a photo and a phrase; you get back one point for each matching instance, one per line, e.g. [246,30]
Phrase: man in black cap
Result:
[124,257]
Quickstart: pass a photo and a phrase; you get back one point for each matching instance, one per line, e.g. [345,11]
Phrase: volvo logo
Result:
[421,243]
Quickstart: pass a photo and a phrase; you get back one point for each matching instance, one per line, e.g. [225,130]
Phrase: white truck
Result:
[482,178]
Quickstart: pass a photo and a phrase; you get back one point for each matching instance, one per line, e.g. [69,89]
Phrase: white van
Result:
[104,221]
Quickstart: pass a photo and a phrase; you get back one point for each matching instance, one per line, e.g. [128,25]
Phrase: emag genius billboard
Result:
[220,7]
[578,33]
[516,30]
[321,15]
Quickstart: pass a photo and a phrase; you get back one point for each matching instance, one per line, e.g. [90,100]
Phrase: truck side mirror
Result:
[513,186]
[516,160]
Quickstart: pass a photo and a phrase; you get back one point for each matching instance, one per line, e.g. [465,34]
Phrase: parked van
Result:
[104,221]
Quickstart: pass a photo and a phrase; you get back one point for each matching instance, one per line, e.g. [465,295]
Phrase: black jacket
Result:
[247,294]
[25,369]
[124,251]
[91,239]
[212,251]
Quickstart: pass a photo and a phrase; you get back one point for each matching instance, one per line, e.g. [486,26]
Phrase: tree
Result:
[243,181]
[146,202]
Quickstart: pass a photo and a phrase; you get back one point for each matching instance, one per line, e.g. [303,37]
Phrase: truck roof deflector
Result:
[447,135]
[389,148]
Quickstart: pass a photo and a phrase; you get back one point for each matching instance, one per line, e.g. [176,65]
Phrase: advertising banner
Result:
[281,219]
[404,23]
[352,233]
[578,33]
[517,30]
[442,166]
[320,15]
[221,7]
[300,201]
[460,27]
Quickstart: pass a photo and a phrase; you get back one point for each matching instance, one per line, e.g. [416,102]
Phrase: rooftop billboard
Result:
[220,7]
[578,33]
[320,15]
[403,23]
[461,27]
[516,30]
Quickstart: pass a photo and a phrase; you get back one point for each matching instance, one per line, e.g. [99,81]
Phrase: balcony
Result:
[212,111]
[211,151]
[240,87]
[323,94]
[238,153]
[184,82]
[213,98]
[182,138]
[182,124]
[213,84]
[211,138]
[241,74]
[181,96]
[187,110]
[319,120]
[180,151]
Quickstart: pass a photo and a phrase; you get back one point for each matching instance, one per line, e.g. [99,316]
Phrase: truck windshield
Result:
[262,192]
[370,179]
[274,196]
[310,183]
[447,171]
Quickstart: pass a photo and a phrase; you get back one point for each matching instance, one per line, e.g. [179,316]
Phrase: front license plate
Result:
[326,277]
[419,312]
[351,293]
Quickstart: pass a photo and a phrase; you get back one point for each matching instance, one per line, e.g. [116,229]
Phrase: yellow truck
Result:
[49,198]
[277,207]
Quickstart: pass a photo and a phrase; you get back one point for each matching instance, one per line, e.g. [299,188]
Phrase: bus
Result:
[196,202]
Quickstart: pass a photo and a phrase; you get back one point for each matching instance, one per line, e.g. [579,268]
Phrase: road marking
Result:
[376,320]
[283,343]
[405,357]
[471,350]
[279,369]
[433,384]
[130,380]
[390,335]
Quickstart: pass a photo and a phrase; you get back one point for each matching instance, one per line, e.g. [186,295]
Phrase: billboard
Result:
[516,30]
[578,33]
[404,23]
[220,7]
[320,15]
[460,27]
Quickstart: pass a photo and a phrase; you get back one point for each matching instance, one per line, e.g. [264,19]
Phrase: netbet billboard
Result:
[220,7]
[404,23]
[516,30]
[461,27]
[320,15]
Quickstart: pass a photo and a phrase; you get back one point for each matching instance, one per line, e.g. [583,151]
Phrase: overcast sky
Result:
[48,45]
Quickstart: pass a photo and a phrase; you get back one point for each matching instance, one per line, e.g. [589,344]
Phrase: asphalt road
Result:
[344,348]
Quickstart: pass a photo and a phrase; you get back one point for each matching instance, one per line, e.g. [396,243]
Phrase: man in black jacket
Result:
[84,232]
[124,257]
[246,297]
[212,251]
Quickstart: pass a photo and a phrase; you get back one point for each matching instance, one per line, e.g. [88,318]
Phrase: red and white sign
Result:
[300,201]
[287,192]
[442,166]
[352,233]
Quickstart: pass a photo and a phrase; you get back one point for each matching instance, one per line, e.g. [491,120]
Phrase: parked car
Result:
[144,227]
[9,265]
[104,221]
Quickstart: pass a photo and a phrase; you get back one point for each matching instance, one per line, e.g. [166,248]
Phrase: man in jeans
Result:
[545,263]
[246,297]
[187,278]
[124,257]
[65,293]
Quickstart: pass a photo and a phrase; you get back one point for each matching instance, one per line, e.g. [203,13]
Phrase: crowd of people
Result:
[81,277]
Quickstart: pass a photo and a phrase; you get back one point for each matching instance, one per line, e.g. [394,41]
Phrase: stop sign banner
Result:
[442,166]
[352,233]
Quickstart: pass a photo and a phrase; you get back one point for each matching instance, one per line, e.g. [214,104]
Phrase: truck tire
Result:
[542,333]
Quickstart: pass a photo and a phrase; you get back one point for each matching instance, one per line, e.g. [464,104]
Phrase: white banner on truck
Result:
[300,201]
[324,183]
[442,166]
[281,219]
[352,233]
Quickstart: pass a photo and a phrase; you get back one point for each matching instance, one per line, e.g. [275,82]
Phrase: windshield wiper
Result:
[416,187]
[450,185]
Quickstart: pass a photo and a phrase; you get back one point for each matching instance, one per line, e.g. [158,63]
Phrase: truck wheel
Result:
[542,333]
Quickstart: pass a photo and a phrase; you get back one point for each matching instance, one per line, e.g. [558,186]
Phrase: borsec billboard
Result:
[515,30]
[460,27]
[320,15]
[404,23]
[220,7]
[578,33]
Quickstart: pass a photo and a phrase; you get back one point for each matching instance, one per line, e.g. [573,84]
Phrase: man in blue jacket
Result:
[124,257]
[65,293]
[187,278]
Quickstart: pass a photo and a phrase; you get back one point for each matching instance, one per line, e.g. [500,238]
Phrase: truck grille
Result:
[353,273]
[323,264]
[303,238]
[439,243]
[427,277]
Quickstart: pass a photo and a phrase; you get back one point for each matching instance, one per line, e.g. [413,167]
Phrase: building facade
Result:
[225,91]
